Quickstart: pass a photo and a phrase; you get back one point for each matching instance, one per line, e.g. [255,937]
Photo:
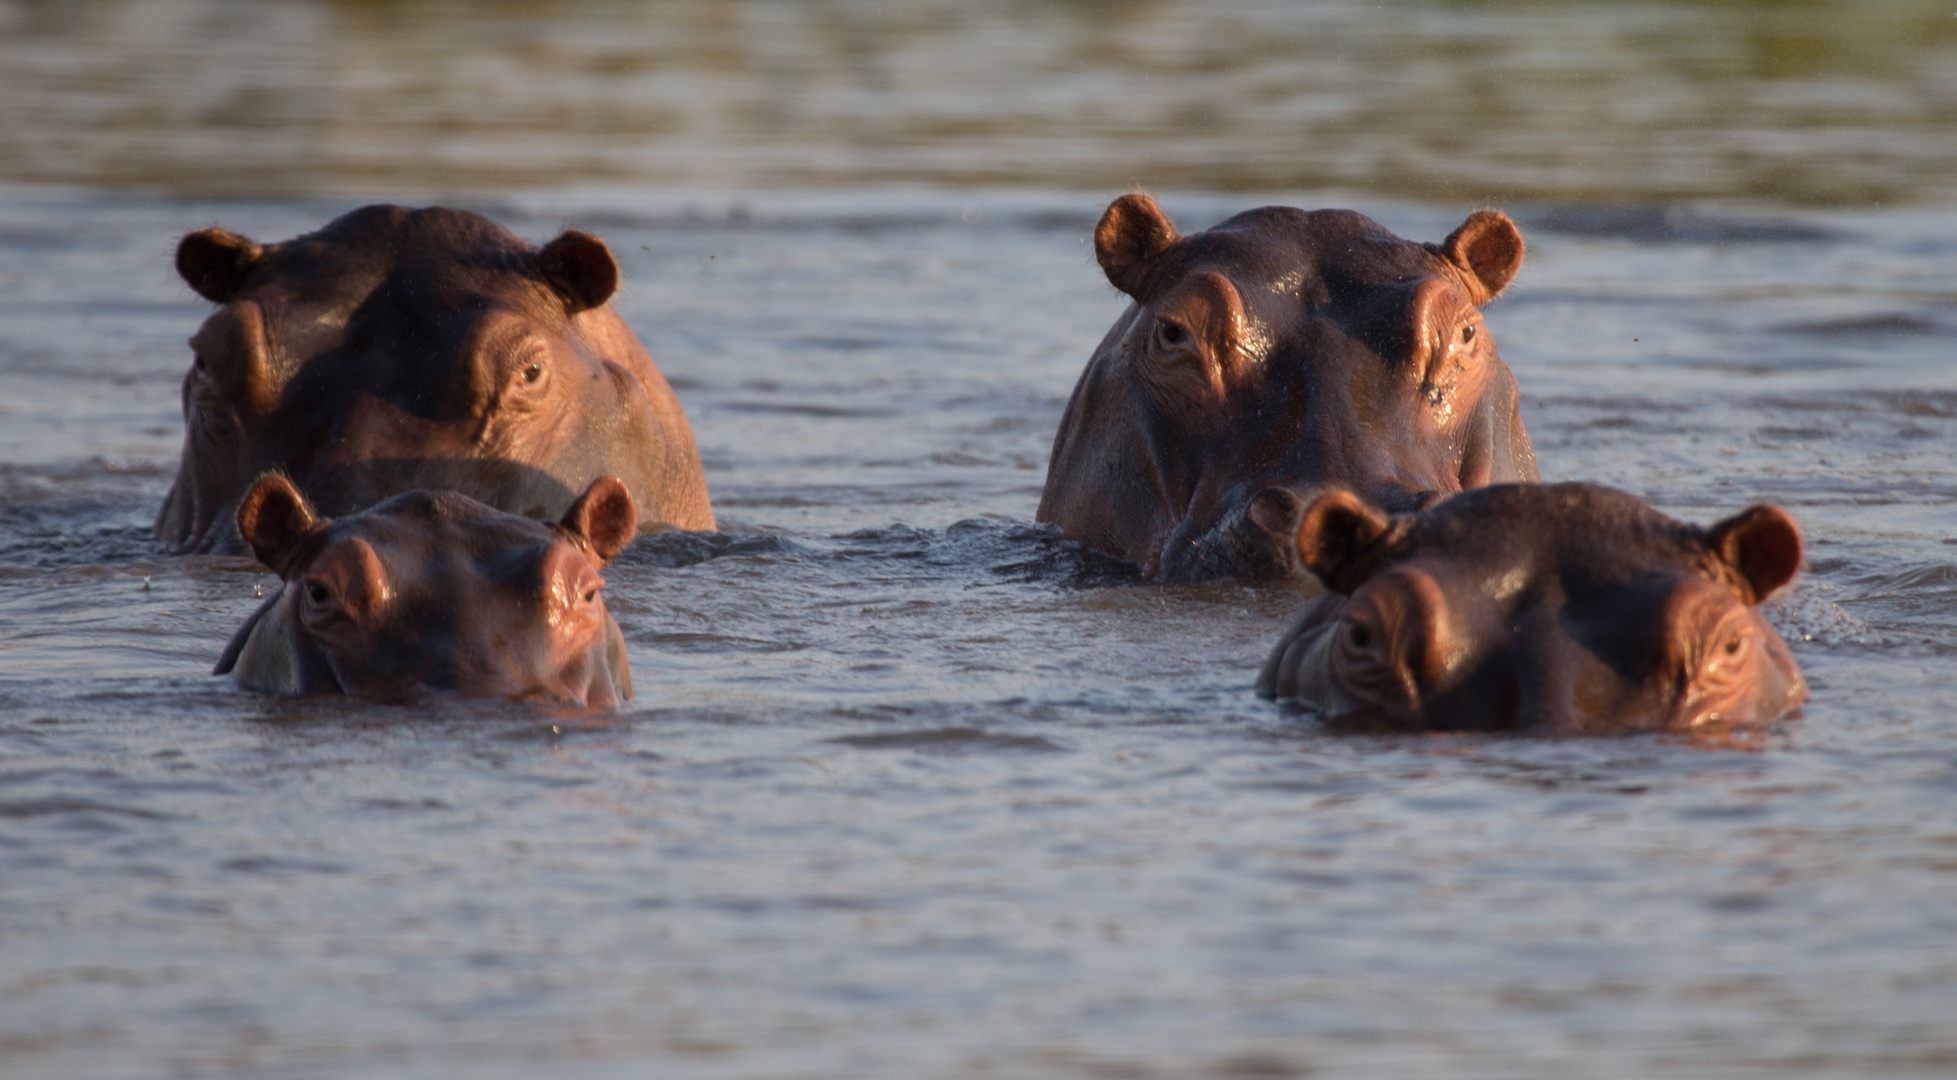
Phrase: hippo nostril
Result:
[1276,511]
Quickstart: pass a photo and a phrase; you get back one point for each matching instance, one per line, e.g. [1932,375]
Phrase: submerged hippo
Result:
[397,349]
[431,590]
[1277,353]
[1568,609]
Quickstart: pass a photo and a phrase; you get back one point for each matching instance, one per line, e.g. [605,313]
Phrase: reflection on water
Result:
[913,790]
[1839,102]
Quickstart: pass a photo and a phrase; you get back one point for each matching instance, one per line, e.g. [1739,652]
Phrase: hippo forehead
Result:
[1581,535]
[434,254]
[1317,256]
[443,535]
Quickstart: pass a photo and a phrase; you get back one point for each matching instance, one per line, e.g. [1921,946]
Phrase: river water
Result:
[912,788]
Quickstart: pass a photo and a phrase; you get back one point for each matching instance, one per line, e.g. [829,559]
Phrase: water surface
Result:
[914,789]
[1834,102]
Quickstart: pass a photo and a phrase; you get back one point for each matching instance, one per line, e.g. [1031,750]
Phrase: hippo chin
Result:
[397,349]
[433,591]
[1568,609]
[1277,354]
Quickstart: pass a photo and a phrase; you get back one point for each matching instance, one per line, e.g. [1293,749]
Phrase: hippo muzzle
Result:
[1256,537]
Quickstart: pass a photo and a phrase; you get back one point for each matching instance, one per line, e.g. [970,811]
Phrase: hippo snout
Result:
[1254,537]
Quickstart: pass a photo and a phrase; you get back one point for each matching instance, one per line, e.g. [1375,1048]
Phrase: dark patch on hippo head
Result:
[1564,609]
[397,349]
[433,591]
[1282,351]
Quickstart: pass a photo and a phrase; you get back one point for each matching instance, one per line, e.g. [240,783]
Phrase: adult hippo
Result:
[397,349]
[1568,609]
[432,590]
[1277,353]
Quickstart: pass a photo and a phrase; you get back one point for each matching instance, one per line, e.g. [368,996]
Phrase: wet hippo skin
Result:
[434,591]
[1564,609]
[397,349]
[1275,354]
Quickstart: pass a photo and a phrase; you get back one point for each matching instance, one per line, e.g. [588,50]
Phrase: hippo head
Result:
[1276,354]
[397,349]
[431,590]
[1565,609]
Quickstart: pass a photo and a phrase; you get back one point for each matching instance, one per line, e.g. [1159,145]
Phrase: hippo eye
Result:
[534,372]
[1727,661]
[317,593]
[1358,634]
[1467,333]
[1171,333]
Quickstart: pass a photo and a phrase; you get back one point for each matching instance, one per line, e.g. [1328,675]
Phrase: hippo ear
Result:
[1131,234]
[1334,536]
[216,262]
[605,516]
[273,518]
[580,268]
[1762,545]
[1489,247]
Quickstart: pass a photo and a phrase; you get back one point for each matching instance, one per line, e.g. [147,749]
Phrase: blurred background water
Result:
[913,788]
[1838,102]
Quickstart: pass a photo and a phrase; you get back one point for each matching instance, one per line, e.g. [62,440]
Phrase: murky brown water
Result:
[912,789]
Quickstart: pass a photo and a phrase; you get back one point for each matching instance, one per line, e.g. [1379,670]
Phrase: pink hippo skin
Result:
[1276,354]
[398,349]
[433,591]
[1568,609]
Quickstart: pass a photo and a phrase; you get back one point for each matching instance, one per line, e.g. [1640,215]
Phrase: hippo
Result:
[1278,353]
[397,349]
[434,591]
[1566,609]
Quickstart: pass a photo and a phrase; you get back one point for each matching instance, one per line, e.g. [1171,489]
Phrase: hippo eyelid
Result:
[1172,333]
[531,363]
